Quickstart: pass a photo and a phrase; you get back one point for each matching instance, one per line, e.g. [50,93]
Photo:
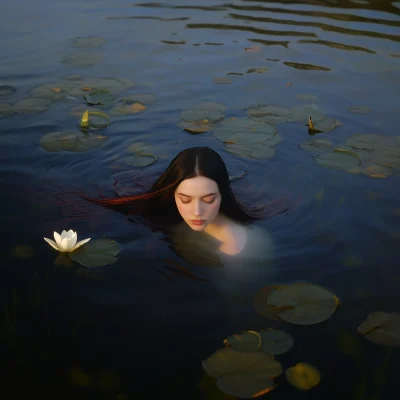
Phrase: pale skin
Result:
[198,201]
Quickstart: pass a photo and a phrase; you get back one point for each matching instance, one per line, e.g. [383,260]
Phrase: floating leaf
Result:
[203,113]
[7,90]
[71,141]
[6,110]
[270,114]
[243,131]
[261,305]
[87,42]
[236,177]
[257,151]
[382,328]
[246,341]
[143,98]
[372,141]
[49,92]
[242,374]
[31,106]
[323,125]
[303,376]
[316,145]
[302,112]
[389,157]
[79,109]
[195,127]
[256,70]
[274,341]
[340,159]
[82,59]
[359,109]
[139,159]
[96,253]
[99,97]
[376,171]
[304,304]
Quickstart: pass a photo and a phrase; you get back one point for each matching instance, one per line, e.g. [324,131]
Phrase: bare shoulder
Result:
[234,238]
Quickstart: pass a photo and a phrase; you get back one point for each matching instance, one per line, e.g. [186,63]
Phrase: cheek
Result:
[213,208]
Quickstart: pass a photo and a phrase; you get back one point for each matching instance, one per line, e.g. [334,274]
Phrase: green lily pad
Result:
[99,97]
[302,112]
[96,253]
[7,90]
[94,120]
[316,145]
[303,376]
[376,171]
[71,141]
[143,98]
[31,106]
[246,341]
[128,109]
[202,115]
[382,328]
[257,150]
[6,110]
[49,92]
[243,374]
[196,127]
[261,305]
[359,109]
[340,159]
[372,141]
[274,341]
[243,131]
[139,159]
[304,304]
[88,42]
[79,109]
[82,59]
[256,70]
[389,157]
[270,114]
[326,125]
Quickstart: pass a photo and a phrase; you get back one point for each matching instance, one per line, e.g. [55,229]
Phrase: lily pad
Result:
[257,151]
[94,120]
[246,341]
[382,328]
[316,145]
[325,125]
[304,304]
[256,70]
[261,305]
[302,112]
[376,171]
[99,97]
[236,177]
[7,90]
[389,157]
[274,341]
[112,85]
[243,131]
[96,253]
[31,106]
[143,98]
[128,109]
[79,109]
[49,92]
[340,159]
[372,141]
[139,159]
[88,42]
[82,59]
[359,109]
[271,114]
[71,141]
[6,110]
[202,115]
[242,374]
[195,127]
[303,376]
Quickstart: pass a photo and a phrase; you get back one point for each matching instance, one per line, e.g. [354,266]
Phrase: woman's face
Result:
[198,200]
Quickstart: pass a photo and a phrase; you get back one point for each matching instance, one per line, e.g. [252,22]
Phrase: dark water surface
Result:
[141,327]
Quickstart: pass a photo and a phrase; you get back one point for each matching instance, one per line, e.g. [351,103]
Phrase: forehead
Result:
[197,187]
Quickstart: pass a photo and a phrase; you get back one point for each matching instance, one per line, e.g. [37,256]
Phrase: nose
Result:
[197,209]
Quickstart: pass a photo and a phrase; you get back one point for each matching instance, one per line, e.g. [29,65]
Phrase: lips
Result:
[198,221]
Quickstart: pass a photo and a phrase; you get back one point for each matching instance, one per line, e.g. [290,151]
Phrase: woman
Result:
[195,192]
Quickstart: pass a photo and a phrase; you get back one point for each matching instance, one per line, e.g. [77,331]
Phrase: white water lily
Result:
[66,242]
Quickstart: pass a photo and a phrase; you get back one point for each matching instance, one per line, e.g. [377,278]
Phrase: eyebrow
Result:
[210,194]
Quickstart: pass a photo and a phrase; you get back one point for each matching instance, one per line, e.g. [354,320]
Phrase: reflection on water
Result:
[145,323]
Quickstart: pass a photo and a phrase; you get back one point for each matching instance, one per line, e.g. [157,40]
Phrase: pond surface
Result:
[143,325]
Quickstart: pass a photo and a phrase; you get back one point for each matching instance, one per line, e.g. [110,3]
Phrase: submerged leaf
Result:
[382,328]
[303,376]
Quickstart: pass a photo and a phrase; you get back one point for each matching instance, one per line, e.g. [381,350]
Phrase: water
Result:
[141,326]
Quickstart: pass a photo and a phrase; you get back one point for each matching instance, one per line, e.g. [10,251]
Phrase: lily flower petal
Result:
[52,243]
[73,239]
[58,238]
[65,245]
[80,243]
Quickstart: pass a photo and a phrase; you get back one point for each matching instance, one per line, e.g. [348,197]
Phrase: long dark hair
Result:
[158,204]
